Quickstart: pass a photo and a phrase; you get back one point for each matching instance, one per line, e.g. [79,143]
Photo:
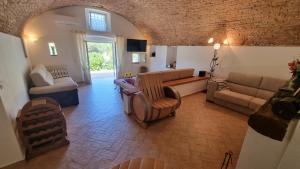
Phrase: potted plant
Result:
[294,67]
[286,102]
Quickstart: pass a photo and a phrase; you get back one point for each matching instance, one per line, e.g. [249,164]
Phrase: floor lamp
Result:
[214,62]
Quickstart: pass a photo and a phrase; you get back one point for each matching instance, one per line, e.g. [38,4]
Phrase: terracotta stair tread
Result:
[142,163]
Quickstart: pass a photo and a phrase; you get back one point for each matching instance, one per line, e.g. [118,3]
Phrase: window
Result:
[138,58]
[98,20]
[135,58]
[52,49]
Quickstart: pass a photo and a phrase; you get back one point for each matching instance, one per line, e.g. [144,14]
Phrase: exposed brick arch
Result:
[183,22]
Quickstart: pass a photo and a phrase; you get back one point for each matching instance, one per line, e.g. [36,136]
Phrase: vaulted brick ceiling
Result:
[183,22]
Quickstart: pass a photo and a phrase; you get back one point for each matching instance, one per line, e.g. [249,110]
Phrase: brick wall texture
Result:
[183,22]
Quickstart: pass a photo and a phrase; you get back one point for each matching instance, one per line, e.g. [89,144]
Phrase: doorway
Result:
[101,59]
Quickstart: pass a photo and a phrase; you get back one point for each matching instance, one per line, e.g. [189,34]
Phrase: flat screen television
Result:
[135,45]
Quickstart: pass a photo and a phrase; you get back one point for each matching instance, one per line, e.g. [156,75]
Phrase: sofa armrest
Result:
[212,87]
[170,92]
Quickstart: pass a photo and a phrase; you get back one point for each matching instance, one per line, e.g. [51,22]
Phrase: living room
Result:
[165,87]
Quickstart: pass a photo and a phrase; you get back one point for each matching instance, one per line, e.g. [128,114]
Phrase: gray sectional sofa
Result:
[244,93]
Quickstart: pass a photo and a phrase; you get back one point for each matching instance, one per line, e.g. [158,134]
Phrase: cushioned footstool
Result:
[142,163]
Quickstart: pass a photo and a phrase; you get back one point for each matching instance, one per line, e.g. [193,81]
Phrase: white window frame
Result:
[140,55]
[52,49]
[107,18]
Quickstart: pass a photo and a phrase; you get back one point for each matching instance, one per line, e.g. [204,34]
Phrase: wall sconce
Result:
[32,38]
[52,49]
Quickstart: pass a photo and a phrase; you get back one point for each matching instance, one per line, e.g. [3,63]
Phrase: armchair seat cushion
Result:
[60,85]
[233,97]
[164,103]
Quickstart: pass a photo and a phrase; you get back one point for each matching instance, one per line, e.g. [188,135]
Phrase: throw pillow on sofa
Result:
[41,77]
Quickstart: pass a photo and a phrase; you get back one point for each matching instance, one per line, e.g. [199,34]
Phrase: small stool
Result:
[142,163]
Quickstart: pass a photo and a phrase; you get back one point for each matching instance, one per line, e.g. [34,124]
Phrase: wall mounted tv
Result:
[135,45]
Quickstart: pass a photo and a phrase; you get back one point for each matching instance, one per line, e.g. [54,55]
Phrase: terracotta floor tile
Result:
[102,135]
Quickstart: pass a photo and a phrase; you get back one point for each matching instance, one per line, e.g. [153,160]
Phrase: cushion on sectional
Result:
[233,97]
[242,89]
[244,79]
[164,103]
[41,77]
[169,75]
[256,103]
[60,85]
[264,94]
[186,73]
[271,84]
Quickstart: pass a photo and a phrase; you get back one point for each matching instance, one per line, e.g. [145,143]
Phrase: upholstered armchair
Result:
[153,101]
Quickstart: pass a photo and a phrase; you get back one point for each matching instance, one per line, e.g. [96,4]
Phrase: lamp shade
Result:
[217,46]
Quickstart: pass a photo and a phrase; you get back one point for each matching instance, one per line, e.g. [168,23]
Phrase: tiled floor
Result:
[102,135]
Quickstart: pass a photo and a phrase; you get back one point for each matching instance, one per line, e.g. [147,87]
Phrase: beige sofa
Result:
[244,93]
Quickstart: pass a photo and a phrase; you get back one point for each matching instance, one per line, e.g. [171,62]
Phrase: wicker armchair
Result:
[154,101]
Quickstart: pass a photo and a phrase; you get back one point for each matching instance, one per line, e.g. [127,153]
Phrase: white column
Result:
[10,151]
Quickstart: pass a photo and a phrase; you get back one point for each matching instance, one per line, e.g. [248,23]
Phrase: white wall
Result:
[196,57]
[159,61]
[48,27]
[45,29]
[268,61]
[13,95]
[14,68]
[9,146]
[171,54]
[291,155]
[261,152]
